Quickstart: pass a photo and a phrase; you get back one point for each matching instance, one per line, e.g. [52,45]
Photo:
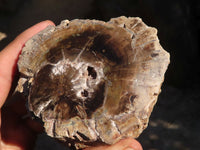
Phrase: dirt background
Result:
[174,123]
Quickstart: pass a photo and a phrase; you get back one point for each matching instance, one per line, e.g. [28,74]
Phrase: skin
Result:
[17,132]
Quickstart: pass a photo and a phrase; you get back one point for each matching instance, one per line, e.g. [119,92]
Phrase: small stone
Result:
[2,36]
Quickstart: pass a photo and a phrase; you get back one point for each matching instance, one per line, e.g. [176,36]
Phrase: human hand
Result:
[18,133]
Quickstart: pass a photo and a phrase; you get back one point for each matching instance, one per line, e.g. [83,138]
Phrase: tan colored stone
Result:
[2,36]
[93,82]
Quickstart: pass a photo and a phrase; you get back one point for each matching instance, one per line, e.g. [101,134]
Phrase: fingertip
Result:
[135,144]
[129,143]
[124,144]
[27,34]
[48,22]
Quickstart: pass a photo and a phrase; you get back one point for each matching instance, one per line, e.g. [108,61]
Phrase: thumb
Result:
[9,56]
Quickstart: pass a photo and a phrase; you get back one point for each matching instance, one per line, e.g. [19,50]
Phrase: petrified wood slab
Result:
[92,81]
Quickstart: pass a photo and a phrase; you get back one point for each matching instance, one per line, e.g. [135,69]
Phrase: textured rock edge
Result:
[32,45]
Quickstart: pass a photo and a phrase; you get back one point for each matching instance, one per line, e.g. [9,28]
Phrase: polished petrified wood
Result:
[91,81]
